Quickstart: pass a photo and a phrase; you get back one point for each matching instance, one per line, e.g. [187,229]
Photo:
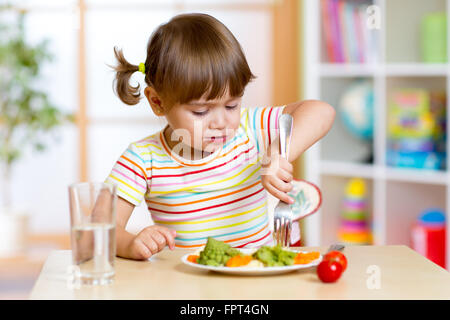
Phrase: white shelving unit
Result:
[396,196]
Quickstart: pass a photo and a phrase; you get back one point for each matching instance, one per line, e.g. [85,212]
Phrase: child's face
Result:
[205,124]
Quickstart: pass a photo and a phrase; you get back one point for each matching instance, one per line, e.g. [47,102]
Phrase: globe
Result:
[356,109]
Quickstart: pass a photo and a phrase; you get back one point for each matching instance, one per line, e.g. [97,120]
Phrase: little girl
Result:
[207,172]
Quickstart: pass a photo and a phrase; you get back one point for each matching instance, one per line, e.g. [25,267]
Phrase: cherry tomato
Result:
[329,271]
[337,256]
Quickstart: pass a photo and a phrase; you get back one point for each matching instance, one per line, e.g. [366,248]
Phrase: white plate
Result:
[245,271]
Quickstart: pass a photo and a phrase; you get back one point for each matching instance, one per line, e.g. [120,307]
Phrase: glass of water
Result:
[93,232]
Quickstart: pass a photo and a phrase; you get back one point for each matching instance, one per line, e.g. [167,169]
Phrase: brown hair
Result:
[188,57]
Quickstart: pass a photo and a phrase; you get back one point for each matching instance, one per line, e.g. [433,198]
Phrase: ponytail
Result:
[121,85]
[190,56]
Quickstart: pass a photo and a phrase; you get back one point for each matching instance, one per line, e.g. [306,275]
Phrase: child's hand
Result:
[150,241]
[277,175]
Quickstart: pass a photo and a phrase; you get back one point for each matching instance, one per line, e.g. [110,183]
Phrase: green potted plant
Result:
[26,116]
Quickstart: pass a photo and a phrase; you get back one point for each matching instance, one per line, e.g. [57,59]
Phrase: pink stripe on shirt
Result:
[129,179]
[276,122]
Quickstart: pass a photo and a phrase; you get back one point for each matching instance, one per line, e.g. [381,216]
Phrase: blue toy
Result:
[356,109]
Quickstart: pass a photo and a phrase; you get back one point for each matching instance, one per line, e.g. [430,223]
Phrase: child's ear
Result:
[154,100]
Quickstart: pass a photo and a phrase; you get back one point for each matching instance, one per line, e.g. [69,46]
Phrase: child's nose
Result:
[218,121]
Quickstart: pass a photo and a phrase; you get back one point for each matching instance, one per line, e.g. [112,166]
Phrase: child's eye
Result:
[199,113]
[231,107]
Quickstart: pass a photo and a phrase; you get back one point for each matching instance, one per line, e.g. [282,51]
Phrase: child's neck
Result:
[191,154]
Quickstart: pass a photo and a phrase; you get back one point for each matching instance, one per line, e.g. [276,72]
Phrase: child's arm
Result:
[124,209]
[312,121]
[146,243]
[152,239]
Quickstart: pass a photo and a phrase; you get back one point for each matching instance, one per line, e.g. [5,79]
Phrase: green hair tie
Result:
[142,67]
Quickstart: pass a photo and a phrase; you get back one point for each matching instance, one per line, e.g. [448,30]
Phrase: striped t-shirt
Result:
[219,196]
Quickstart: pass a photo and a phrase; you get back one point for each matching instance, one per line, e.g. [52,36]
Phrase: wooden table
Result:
[374,272]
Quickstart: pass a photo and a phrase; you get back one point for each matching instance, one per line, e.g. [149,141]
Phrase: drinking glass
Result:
[93,232]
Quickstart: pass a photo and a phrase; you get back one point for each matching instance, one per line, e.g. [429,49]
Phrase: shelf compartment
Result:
[411,146]
[333,192]
[343,32]
[403,39]
[340,144]
[405,202]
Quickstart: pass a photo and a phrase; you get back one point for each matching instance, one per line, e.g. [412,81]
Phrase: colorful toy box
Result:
[416,129]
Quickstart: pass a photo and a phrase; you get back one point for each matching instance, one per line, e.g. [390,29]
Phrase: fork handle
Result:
[336,247]
[283,144]
[285,124]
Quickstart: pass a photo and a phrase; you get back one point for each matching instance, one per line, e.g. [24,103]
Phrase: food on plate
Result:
[239,261]
[255,263]
[193,258]
[217,253]
[329,270]
[337,256]
[306,257]
[275,256]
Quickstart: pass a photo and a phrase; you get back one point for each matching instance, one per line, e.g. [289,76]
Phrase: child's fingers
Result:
[151,244]
[279,194]
[281,185]
[169,236]
[284,175]
[146,236]
[141,251]
[159,239]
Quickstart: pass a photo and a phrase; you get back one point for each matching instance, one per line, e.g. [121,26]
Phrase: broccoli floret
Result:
[286,257]
[266,255]
[274,256]
[216,253]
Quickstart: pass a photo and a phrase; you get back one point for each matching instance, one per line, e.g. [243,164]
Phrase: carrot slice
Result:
[238,261]
[193,258]
[305,258]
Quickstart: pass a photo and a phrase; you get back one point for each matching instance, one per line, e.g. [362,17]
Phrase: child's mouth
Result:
[217,139]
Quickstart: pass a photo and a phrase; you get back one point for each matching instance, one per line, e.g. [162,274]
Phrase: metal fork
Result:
[336,247]
[282,223]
